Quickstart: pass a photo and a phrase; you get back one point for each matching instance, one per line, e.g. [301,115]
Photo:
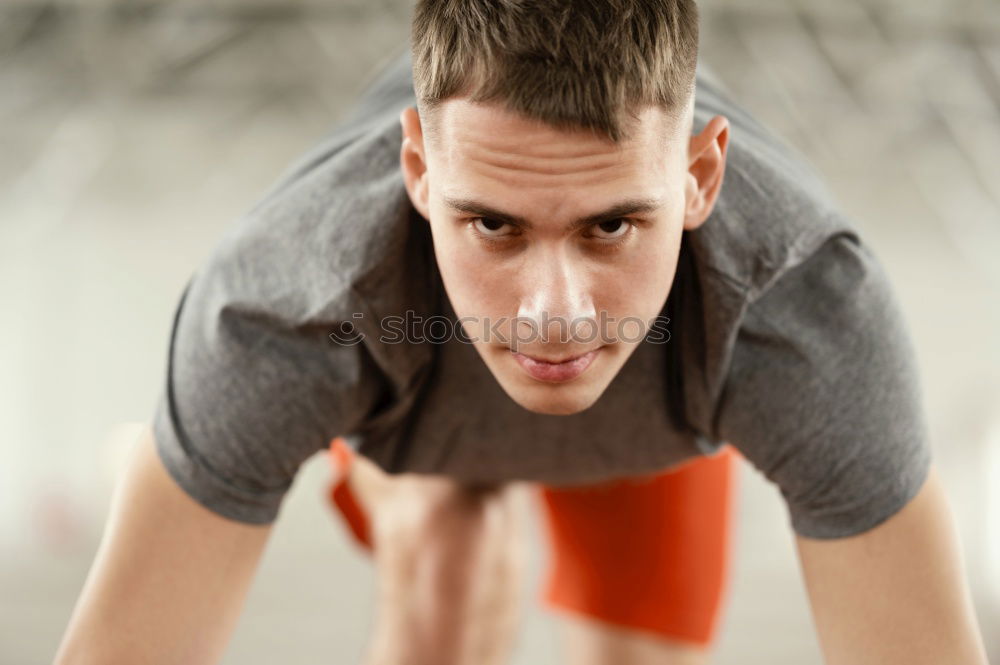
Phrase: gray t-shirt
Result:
[785,341]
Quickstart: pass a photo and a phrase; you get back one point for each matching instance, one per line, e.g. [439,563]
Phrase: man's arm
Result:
[896,594]
[169,579]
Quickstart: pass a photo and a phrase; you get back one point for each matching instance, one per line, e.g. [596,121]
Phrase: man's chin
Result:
[553,400]
[559,409]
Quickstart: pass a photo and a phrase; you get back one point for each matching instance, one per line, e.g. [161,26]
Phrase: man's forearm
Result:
[169,579]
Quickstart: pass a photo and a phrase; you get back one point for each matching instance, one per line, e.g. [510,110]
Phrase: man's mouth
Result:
[556,371]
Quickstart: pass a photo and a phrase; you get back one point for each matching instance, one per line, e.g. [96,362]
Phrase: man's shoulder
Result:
[773,219]
[336,233]
[774,209]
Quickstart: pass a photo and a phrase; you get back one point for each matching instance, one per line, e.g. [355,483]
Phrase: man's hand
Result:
[896,594]
[449,563]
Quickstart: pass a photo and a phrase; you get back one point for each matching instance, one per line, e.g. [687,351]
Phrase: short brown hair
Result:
[573,64]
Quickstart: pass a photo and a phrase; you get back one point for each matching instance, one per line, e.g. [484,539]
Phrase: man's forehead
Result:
[462,128]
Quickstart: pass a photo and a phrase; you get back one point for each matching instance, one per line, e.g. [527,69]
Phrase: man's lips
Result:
[552,361]
[556,372]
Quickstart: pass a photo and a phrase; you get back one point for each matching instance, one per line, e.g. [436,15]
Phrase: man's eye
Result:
[488,227]
[613,229]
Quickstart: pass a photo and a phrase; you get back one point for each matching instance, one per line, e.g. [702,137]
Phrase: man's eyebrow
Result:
[620,209]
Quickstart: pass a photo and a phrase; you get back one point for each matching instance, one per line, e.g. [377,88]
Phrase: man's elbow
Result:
[896,593]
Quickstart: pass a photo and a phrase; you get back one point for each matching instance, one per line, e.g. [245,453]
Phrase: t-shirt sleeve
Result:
[254,387]
[823,395]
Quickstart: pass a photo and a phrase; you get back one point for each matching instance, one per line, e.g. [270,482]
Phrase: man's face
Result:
[552,245]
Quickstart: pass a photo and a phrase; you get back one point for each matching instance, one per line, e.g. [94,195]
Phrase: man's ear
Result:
[706,166]
[413,162]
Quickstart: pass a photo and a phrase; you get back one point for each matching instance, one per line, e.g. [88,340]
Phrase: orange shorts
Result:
[650,553]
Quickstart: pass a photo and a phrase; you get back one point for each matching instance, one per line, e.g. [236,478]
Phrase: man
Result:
[558,169]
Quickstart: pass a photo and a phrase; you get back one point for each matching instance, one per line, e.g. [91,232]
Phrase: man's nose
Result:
[557,305]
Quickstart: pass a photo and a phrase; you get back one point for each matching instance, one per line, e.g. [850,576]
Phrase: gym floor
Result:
[132,133]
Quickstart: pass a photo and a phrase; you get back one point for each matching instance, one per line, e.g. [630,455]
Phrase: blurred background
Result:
[133,132]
